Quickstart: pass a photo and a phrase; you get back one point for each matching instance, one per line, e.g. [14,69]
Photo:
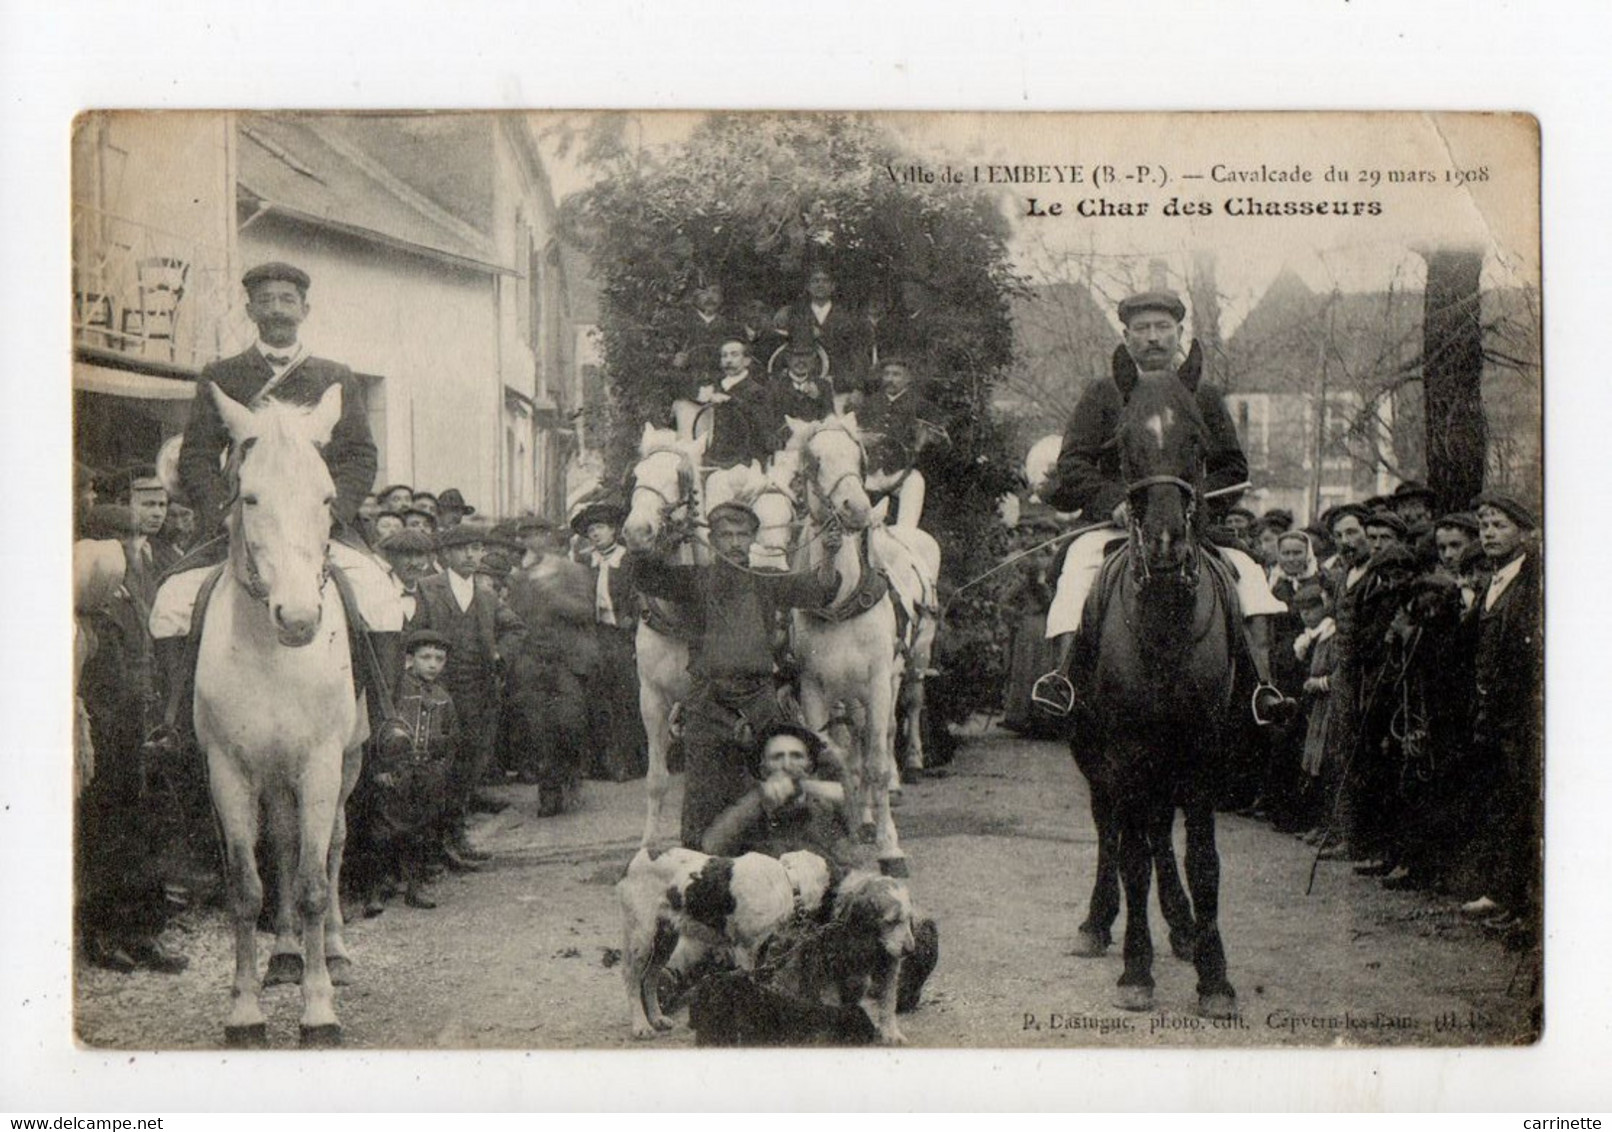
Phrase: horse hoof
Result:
[255,1036]
[285,967]
[319,1037]
[1217,1005]
[1090,944]
[895,867]
[1181,946]
[341,970]
[1135,998]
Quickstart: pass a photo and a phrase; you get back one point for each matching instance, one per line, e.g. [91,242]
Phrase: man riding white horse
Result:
[1088,478]
[276,367]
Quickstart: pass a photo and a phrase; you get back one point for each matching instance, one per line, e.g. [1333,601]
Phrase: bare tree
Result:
[1452,374]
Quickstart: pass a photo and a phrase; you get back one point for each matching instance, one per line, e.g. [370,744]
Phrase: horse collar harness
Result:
[870,591]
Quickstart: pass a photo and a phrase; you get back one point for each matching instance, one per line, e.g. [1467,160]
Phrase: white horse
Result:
[665,489]
[854,658]
[910,558]
[275,710]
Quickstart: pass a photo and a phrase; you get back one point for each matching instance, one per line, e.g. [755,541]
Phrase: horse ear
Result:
[793,424]
[322,420]
[648,435]
[237,417]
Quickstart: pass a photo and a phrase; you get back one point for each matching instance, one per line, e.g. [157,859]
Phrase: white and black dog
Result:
[679,906]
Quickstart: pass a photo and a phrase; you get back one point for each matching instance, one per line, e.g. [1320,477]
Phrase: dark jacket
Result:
[350,454]
[479,635]
[813,403]
[732,608]
[846,336]
[556,605]
[1087,475]
[428,711]
[1509,664]
[742,427]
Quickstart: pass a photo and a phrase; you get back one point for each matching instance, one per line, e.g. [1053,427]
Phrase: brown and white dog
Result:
[855,956]
[677,907]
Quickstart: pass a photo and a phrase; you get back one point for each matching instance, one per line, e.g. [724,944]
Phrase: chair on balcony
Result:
[93,318]
[154,319]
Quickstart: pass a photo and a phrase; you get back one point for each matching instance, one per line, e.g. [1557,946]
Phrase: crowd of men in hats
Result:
[1411,642]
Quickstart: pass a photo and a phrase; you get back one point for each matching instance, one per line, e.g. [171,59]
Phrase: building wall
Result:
[428,330]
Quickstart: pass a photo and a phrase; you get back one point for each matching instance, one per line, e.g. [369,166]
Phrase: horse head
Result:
[833,465]
[1162,440]
[662,485]
[279,523]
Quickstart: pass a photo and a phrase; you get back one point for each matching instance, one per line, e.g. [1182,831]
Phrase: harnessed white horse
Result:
[665,489]
[275,709]
[856,655]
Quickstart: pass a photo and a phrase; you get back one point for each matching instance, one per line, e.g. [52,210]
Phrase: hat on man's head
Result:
[813,742]
[428,495]
[276,272]
[1508,506]
[462,535]
[599,511]
[1413,489]
[531,525]
[451,500]
[391,487]
[407,541]
[1383,517]
[1167,301]
[801,348]
[420,638]
[496,563]
[407,511]
[733,511]
[1377,502]
[1278,519]
[1459,520]
[1330,517]
[1245,512]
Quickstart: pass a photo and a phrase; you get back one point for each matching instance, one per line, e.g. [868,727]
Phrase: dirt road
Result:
[522,955]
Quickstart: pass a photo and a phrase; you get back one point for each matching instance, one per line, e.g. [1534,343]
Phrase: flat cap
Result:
[1383,517]
[1330,517]
[731,511]
[1278,519]
[422,637]
[275,272]
[1167,301]
[1413,489]
[1460,520]
[599,511]
[1508,506]
[407,541]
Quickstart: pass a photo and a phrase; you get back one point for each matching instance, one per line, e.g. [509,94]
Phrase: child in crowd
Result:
[412,788]
[1315,646]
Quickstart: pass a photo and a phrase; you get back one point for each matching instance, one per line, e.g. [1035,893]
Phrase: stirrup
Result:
[1269,705]
[1053,694]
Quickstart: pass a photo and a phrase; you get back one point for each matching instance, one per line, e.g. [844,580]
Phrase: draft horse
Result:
[1162,686]
[274,706]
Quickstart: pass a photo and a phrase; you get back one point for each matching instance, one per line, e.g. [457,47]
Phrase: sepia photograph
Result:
[605,580]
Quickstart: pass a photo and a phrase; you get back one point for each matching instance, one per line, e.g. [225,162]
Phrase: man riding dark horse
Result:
[1088,478]
[278,367]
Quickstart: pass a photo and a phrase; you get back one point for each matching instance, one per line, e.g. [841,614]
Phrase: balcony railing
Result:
[147,294]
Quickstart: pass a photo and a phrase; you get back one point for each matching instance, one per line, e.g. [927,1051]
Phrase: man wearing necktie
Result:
[278,366]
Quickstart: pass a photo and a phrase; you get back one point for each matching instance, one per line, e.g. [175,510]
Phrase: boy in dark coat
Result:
[412,786]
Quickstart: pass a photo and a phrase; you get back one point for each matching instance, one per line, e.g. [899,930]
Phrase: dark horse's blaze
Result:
[1162,685]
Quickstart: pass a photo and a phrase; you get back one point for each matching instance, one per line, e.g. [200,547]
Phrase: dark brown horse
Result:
[1162,687]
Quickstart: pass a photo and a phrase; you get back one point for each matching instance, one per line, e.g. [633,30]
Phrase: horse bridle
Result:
[685,500]
[253,583]
[827,497]
[1187,573]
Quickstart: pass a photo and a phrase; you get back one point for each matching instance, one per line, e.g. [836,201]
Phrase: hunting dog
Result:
[851,954]
[682,905]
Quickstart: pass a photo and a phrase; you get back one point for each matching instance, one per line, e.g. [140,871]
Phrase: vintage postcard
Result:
[653,580]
